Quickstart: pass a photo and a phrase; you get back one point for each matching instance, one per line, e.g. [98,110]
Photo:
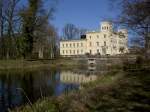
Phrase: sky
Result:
[83,13]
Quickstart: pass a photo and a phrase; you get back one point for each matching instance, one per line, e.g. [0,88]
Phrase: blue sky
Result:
[82,13]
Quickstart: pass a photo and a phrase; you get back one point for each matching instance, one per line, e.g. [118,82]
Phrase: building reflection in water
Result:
[40,83]
[77,77]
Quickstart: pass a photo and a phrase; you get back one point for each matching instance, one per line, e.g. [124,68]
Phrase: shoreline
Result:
[112,92]
[49,103]
[35,64]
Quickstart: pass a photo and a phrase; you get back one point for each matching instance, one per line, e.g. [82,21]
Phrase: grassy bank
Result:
[117,92]
[34,64]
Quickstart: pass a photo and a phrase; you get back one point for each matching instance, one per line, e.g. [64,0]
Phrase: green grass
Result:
[105,79]
[35,64]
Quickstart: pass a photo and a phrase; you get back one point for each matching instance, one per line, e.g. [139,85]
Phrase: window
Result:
[74,52]
[90,44]
[97,36]
[77,44]
[74,44]
[70,52]
[104,35]
[111,40]
[70,45]
[90,51]
[77,51]
[81,51]
[90,37]
[63,52]
[104,43]
[66,52]
[66,45]
[81,44]
[63,45]
[97,50]
[97,43]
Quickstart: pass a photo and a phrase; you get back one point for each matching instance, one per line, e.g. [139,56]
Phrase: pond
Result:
[23,87]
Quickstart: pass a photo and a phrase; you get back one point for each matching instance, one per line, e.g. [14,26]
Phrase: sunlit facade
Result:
[106,41]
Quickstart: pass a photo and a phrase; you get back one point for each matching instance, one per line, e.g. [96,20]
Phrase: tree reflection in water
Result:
[18,88]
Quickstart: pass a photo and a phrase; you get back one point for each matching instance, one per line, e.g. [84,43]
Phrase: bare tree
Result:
[35,19]
[45,44]
[8,15]
[70,31]
[53,36]
[1,18]
[44,34]
[22,27]
[135,14]
[82,31]
[1,28]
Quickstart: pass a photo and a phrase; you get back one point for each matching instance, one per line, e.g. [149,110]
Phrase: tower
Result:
[106,26]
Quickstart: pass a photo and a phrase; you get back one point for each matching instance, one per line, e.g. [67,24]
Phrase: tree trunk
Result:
[41,53]
[7,55]
[147,43]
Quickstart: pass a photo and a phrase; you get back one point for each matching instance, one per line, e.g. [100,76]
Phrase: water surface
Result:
[19,88]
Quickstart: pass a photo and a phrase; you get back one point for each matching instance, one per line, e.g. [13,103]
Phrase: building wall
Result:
[72,47]
[103,42]
[98,43]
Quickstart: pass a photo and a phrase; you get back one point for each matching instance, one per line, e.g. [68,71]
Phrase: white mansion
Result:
[104,42]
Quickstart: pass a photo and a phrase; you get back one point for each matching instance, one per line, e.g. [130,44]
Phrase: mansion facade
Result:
[104,42]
